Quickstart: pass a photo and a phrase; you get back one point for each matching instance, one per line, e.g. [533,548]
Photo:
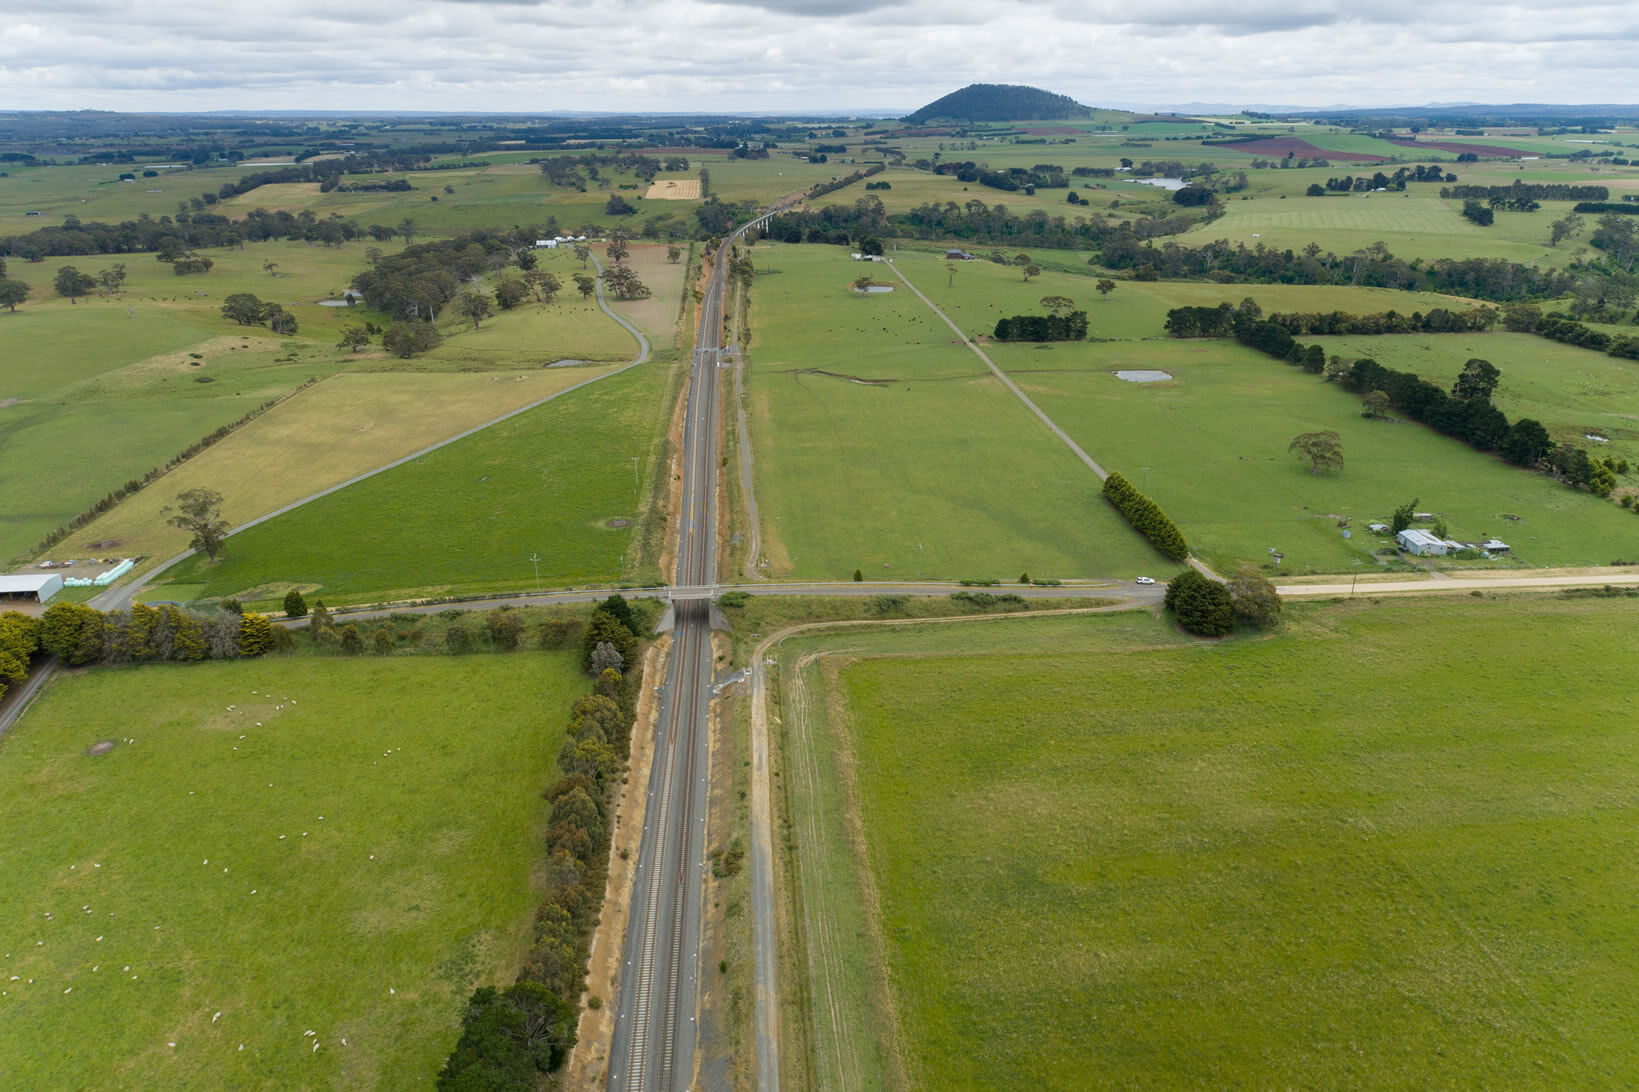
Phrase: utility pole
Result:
[918,562]
[535,559]
[635,482]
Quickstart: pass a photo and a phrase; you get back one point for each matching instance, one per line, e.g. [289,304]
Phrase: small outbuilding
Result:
[958,256]
[30,587]
[1494,546]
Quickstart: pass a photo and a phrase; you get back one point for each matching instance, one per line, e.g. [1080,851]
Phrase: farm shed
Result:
[30,587]
[1422,543]
[1494,546]
[958,256]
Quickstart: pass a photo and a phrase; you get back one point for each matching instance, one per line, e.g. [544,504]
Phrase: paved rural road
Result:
[656,1027]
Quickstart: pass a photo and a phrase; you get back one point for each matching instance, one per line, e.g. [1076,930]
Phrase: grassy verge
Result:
[185,890]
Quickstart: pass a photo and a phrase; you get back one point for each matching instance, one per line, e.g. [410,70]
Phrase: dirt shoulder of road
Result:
[588,1065]
[1590,572]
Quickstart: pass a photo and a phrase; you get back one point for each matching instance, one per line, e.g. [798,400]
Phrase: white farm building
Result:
[30,587]
[1424,543]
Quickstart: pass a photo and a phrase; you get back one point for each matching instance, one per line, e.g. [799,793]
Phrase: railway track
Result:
[656,1032]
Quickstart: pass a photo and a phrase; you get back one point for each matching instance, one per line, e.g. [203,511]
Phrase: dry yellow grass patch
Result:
[674,189]
[656,315]
[344,426]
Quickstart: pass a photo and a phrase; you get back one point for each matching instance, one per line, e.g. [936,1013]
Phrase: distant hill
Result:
[1000,102]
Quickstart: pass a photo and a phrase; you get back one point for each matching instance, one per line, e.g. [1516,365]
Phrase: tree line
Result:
[1071,326]
[1146,516]
[1374,267]
[79,634]
[1528,191]
[823,188]
[509,1037]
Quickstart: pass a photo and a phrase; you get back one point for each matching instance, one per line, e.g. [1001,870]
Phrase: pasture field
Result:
[1087,852]
[882,444]
[93,192]
[349,424]
[469,516]
[303,902]
[1215,441]
[148,372]
[66,448]
[1572,391]
[734,180]
[980,292]
[1411,226]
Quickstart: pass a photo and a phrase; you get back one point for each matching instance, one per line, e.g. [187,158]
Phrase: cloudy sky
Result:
[802,55]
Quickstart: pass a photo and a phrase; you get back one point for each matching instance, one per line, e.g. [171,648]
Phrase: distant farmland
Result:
[1281,146]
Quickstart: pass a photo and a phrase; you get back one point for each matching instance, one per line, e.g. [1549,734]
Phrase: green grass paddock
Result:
[546,482]
[190,874]
[1357,852]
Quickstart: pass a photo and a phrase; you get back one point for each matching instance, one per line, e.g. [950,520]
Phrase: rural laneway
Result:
[119,598]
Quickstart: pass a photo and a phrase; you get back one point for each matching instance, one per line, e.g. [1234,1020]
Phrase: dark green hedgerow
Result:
[1146,516]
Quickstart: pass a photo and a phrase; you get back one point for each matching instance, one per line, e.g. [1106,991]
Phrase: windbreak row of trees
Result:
[1374,267]
[1071,326]
[823,188]
[509,1037]
[188,231]
[1146,516]
[79,634]
[1521,192]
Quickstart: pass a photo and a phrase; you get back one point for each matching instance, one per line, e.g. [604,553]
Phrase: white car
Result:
[1145,580]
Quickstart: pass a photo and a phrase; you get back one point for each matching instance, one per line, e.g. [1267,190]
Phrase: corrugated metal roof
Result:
[28,582]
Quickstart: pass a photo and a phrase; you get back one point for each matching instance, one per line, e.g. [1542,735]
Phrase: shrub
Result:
[734,599]
[557,634]
[352,642]
[1201,606]
[295,604]
[457,639]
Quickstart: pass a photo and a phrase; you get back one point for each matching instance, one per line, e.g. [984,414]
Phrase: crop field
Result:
[557,482]
[282,874]
[1572,391]
[1215,440]
[1072,853]
[347,425]
[882,444]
